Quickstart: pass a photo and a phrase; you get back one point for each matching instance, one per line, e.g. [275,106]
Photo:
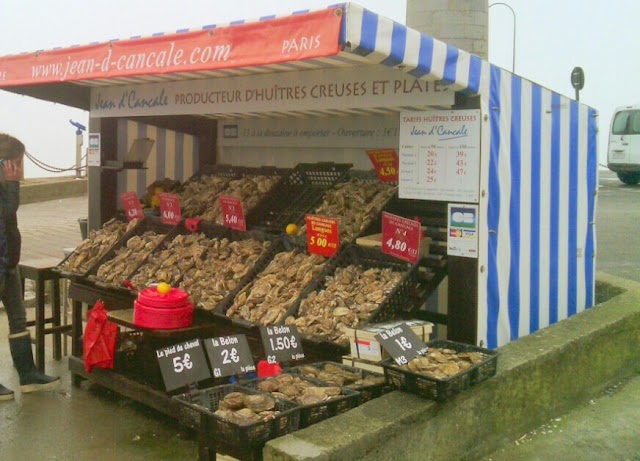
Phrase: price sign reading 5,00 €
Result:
[322,235]
[229,355]
[281,343]
[401,237]
[131,205]
[170,208]
[182,364]
[232,213]
[402,344]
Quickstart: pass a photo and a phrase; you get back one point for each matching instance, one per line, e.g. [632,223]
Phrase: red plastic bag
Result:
[99,341]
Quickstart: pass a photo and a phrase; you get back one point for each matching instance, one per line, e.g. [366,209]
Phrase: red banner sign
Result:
[170,208]
[290,38]
[386,164]
[131,204]
[401,237]
[322,235]
[232,213]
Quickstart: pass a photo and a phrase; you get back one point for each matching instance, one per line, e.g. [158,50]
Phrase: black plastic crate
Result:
[441,389]
[367,392]
[296,195]
[235,436]
[316,412]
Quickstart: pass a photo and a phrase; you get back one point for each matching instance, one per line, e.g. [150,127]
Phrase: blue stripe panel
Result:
[475,72]
[534,275]
[142,174]
[425,57]
[237,23]
[342,40]
[554,221]
[493,211]
[158,34]
[514,207]
[368,33]
[179,155]
[592,173]
[398,45]
[161,152]
[121,152]
[182,31]
[300,12]
[450,65]
[266,18]
[209,26]
[573,211]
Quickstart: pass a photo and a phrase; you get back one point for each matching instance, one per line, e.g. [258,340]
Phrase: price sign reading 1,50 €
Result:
[182,364]
[402,344]
[232,213]
[401,237]
[229,355]
[170,208]
[131,204]
[281,343]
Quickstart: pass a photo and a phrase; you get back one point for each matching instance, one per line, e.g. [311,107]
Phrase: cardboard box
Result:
[364,345]
[362,364]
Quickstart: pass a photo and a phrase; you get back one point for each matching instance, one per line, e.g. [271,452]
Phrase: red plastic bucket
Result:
[163,311]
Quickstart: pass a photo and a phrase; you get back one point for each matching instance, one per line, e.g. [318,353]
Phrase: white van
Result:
[623,156]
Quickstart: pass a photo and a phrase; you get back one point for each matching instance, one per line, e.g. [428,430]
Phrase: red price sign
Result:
[322,235]
[386,164]
[170,208]
[401,237]
[131,204]
[232,214]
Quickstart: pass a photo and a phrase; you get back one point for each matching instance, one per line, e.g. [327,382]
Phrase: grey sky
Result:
[552,37]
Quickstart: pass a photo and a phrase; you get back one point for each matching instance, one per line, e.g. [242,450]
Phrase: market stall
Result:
[500,172]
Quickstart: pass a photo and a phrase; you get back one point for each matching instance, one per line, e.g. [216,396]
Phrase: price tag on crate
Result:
[229,355]
[170,208]
[401,237]
[182,364]
[281,343]
[232,213]
[322,235]
[386,164]
[131,204]
[402,344]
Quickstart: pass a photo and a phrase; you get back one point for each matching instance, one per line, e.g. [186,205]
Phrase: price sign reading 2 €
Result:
[170,208]
[401,237]
[322,235]
[402,344]
[131,204]
[281,343]
[182,364]
[232,213]
[229,355]
[386,164]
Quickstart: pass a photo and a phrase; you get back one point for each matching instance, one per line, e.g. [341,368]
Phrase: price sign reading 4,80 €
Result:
[322,235]
[182,364]
[281,343]
[131,204]
[232,213]
[402,344]
[170,208]
[401,237]
[229,355]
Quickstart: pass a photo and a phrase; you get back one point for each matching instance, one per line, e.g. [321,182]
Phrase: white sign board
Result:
[312,90]
[462,230]
[440,155]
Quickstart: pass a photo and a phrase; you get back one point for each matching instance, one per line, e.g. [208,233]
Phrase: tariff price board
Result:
[281,343]
[229,355]
[131,204]
[402,344]
[322,235]
[182,364]
[232,213]
[170,208]
[385,162]
[401,237]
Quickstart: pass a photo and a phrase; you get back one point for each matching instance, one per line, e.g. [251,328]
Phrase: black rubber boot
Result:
[31,380]
[6,394]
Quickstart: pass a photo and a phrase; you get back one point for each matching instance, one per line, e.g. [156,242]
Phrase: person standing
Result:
[31,379]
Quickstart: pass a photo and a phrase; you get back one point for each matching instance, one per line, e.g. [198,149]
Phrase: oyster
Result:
[245,409]
[199,193]
[234,400]
[259,403]
[443,363]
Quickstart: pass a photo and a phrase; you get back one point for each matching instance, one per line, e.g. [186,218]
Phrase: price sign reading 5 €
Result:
[322,235]
[131,204]
[232,213]
[182,364]
[170,208]
[401,237]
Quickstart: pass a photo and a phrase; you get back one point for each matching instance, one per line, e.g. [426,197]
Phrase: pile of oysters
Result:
[294,388]
[200,193]
[442,363]
[245,409]
[339,376]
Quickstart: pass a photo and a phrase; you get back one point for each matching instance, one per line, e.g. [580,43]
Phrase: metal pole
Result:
[513,46]
[78,153]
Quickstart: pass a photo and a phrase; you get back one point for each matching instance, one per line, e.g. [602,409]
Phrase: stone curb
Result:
[539,377]
[43,191]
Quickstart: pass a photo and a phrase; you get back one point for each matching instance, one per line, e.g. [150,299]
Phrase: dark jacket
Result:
[10,240]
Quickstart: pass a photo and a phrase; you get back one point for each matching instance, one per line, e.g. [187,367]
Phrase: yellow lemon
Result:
[163,288]
[155,201]
[291,229]
[158,190]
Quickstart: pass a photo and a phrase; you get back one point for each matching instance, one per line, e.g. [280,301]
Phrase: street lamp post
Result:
[513,47]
